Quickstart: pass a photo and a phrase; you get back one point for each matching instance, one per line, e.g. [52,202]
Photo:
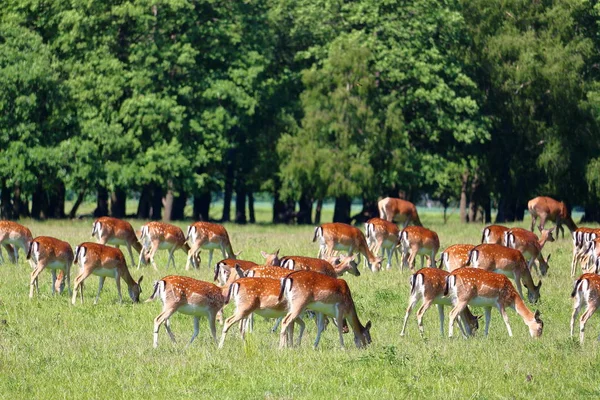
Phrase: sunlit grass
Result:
[50,349]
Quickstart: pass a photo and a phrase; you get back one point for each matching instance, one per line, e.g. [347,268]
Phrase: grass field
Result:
[51,349]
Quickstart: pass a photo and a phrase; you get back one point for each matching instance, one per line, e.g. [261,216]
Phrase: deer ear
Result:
[140,280]
[537,315]
[539,285]
[265,255]
[368,325]
[548,259]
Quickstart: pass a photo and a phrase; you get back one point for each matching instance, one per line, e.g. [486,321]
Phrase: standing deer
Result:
[428,284]
[188,296]
[382,236]
[528,244]
[308,290]
[208,236]
[549,209]
[14,236]
[390,208]
[158,236]
[48,252]
[480,288]
[344,237]
[416,240]
[104,262]
[115,231]
[455,256]
[586,291]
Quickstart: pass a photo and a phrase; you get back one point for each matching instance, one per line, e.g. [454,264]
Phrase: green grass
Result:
[51,349]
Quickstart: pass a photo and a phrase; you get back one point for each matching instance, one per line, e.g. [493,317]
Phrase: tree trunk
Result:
[240,204]
[304,216]
[178,211]
[318,210]
[341,212]
[39,202]
[463,197]
[6,207]
[473,203]
[228,193]
[368,211]
[201,206]
[487,209]
[101,202]
[20,207]
[156,203]
[445,205]
[143,211]
[251,214]
[168,204]
[283,212]
[56,200]
[118,201]
[591,212]
[78,201]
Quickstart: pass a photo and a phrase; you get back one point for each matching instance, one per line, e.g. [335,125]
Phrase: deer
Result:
[416,240]
[188,296]
[208,236]
[225,270]
[547,208]
[591,256]
[585,291]
[428,284]
[260,296]
[390,208]
[333,266]
[308,290]
[344,237]
[494,234]
[455,256]
[14,236]
[159,235]
[103,261]
[582,237]
[115,231]
[48,252]
[382,236]
[508,262]
[528,244]
[481,288]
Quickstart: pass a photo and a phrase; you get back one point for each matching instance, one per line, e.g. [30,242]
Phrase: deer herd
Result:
[285,288]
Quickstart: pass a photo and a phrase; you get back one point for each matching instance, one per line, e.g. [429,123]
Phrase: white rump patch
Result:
[289,264]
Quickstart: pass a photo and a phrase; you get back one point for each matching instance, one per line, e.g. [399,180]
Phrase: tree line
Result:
[485,103]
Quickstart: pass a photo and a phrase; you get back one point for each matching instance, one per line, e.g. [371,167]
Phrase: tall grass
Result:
[51,349]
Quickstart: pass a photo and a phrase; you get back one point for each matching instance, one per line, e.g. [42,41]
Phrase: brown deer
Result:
[548,209]
[390,208]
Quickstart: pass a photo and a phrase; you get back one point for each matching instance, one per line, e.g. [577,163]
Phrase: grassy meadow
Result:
[51,349]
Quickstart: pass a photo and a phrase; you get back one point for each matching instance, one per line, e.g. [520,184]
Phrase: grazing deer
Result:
[104,261]
[344,237]
[158,236]
[480,288]
[260,296]
[428,284]
[48,252]
[549,209]
[333,266]
[416,240]
[581,239]
[494,234]
[390,208]
[508,262]
[308,290]
[14,236]
[456,256]
[189,296]
[225,270]
[115,231]
[208,236]
[528,244]
[586,291]
[382,236]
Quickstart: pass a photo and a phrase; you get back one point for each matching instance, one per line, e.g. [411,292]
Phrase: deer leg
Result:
[54,282]
[158,321]
[518,284]
[488,318]
[34,279]
[458,307]
[118,282]
[130,254]
[240,314]
[79,284]
[210,256]
[196,329]
[533,220]
[100,284]
[291,315]
[424,307]
[68,278]
[584,318]
[168,329]
[339,315]
[505,317]
[320,328]
[171,258]
[190,257]
[576,309]
[413,300]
